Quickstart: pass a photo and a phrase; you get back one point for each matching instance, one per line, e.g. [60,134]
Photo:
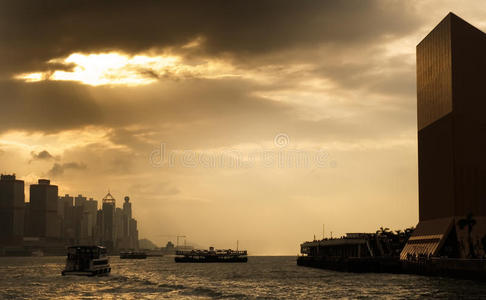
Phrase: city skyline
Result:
[74,194]
[91,105]
[49,222]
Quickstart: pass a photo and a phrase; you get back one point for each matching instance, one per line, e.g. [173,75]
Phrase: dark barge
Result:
[211,256]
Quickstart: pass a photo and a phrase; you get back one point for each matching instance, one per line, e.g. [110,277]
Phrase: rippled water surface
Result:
[260,278]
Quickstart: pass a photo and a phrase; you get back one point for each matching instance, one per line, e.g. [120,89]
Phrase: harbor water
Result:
[260,278]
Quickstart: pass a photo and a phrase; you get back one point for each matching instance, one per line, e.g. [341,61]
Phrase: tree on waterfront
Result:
[383,231]
[483,242]
[468,222]
[409,231]
[392,242]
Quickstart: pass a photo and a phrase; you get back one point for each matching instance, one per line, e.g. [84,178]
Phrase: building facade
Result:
[109,229]
[45,222]
[11,209]
[66,212]
[89,220]
[451,109]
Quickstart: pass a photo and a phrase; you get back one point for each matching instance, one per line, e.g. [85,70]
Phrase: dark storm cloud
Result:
[43,155]
[194,111]
[204,114]
[59,169]
[33,32]
[374,71]
[187,101]
[197,112]
[46,106]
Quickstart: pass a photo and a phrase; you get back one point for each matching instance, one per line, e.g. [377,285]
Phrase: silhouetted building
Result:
[79,201]
[127,207]
[451,106]
[119,228]
[127,216]
[43,210]
[68,221]
[124,225]
[108,208]
[27,227]
[99,229]
[89,220]
[78,214]
[11,209]
[133,234]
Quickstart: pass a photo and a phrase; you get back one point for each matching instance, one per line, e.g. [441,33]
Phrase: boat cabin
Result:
[86,260]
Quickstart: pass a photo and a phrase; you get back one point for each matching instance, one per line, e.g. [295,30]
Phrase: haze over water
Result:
[260,278]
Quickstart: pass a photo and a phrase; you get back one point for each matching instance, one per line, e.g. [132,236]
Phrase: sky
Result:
[257,121]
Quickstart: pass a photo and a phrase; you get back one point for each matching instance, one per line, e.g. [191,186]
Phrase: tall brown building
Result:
[109,229]
[451,106]
[11,209]
[44,220]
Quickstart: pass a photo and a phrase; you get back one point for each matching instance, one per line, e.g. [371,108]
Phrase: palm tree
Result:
[383,231]
[483,241]
[409,231]
[469,222]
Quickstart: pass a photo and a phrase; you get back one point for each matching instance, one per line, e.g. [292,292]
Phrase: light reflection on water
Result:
[260,278]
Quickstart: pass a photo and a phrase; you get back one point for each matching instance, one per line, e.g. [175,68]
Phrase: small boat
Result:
[133,255]
[211,256]
[87,261]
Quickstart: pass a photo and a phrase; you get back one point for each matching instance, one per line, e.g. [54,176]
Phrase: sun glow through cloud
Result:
[63,141]
[31,77]
[115,68]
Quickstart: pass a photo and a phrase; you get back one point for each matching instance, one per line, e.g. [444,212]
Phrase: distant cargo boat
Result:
[86,260]
[133,255]
[211,256]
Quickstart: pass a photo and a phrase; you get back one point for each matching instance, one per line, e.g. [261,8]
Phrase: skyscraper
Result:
[67,214]
[43,210]
[119,227]
[133,234]
[127,215]
[99,230]
[451,108]
[80,228]
[108,208]
[127,207]
[79,201]
[89,217]
[11,209]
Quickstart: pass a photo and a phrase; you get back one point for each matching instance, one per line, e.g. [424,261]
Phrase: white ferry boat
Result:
[87,260]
